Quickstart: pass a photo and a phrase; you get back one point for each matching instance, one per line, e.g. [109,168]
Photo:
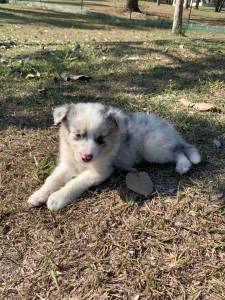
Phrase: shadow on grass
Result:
[184,74]
[78,3]
[54,18]
[92,21]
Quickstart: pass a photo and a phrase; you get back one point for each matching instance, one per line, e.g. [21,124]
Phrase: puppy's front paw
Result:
[56,201]
[37,198]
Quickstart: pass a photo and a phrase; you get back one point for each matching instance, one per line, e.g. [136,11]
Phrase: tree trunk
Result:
[221,5]
[158,2]
[132,5]
[177,19]
[186,4]
[197,4]
[218,5]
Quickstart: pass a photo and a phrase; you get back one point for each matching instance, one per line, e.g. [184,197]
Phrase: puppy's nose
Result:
[87,157]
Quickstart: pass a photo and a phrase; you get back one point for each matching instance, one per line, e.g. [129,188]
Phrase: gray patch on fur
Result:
[179,148]
[127,139]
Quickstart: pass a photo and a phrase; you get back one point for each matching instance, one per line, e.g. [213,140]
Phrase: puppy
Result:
[95,139]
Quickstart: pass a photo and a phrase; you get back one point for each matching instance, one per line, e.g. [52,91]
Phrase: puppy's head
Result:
[93,130]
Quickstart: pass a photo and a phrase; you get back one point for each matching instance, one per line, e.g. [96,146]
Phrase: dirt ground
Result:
[111,243]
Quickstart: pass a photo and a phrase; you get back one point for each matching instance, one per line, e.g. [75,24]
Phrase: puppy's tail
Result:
[192,153]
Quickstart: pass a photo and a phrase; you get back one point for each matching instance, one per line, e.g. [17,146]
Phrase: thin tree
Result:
[132,6]
[177,19]
[218,5]
[186,4]
[197,4]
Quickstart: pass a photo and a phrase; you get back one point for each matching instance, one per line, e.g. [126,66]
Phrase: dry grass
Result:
[111,244]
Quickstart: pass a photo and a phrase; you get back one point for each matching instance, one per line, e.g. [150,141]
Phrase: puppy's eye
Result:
[78,136]
[100,140]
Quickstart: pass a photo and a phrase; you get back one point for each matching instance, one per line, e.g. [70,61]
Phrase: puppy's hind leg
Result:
[54,182]
[183,164]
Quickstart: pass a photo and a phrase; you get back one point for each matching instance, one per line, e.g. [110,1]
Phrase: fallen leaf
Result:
[71,77]
[42,90]
[29,76]
[80,77]
[140,183]
[134,58]
[203,106]
[185,102]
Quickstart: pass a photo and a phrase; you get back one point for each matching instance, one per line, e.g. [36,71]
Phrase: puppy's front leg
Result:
[74,188]
[55,181]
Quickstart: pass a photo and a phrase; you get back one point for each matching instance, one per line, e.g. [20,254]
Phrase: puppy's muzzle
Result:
[87,157]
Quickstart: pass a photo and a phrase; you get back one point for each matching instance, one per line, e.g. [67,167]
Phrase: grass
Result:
[109,244]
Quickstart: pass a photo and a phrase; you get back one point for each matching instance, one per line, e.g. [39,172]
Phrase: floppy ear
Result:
[119,117]
[60,113]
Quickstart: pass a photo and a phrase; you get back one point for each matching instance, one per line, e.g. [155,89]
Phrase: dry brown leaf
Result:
[186,102]
[80,77]
[72,77]
[202,106]
[140,183]
[133,58]
[30,76]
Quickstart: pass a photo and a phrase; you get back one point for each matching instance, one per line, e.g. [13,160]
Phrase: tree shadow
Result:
[55,18]
[92,20]
[78,3]
[179,73]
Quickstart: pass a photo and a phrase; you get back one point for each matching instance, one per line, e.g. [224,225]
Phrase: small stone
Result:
[131,252]
[177,224]
[215,196]
[217,143]
[6,228]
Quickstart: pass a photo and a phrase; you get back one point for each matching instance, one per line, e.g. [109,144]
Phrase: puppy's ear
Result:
[118,117]
[60,113]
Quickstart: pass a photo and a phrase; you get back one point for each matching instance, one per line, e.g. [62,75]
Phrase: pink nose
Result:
[87,157]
